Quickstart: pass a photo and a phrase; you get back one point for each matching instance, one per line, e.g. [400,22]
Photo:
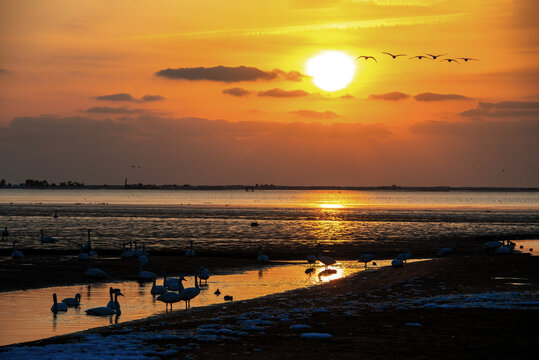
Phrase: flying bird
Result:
[450,60]
[420,57]
[434,57]
[394,56]
[466,59]
[366,57]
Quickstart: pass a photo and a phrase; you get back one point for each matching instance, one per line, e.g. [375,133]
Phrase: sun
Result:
[331,70]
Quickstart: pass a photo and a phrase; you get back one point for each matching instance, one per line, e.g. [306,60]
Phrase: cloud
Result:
[280,93]
[129,98]
[114,110]
[4,71]
[116,97]
[150,98]
[316,114]
[237,92]
[218,73]
[504,109]
[347,96]
[428,96]
[390,96]
[229,74]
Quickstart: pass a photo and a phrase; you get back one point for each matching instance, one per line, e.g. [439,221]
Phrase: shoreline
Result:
[376,313]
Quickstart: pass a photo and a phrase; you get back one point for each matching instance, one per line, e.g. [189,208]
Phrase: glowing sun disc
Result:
[331,70]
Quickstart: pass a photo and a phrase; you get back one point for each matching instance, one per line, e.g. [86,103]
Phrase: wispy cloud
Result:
[114,110]
[228,74]
[128,98]
[316,114]
[428,96]
[280,93]
[504,109]
[390,96]
[151,98]
[239,92]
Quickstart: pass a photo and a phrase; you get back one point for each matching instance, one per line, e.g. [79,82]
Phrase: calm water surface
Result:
[26,315]
[219,221]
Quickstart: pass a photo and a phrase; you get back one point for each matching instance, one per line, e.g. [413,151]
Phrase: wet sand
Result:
[370,315]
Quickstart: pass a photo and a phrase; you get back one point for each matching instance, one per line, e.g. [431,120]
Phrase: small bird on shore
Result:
[309,271]
[394,56]
[217,292]
[434,57]
[56,306]
[72,302]
[228,298]
[366,57]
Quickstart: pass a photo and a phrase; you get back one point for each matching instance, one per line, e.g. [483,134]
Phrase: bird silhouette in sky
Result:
[394,56]
[434,57]
[366,57]
[466,59]
[420,57]
[450,60]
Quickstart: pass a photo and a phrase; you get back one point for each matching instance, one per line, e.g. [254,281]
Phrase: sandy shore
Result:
[459,307]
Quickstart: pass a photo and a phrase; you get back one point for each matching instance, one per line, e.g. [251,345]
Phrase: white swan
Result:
[113,302]
[72,302]
[175,284]
[365,258]
[16,254]
[262,257]
[56,307]
[203,274]
[5,233]
[95,272]
[144,275]
[172,297]
[47,239]
[157,289]
[190,293]
[493,245]
[88,246]
[103,310]
[82,255]
[127,253]
[190,251]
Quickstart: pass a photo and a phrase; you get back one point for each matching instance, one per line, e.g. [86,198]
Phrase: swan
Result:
[55,214]
[127,253]
[203,274]
[190,251]
[175,284]
[5,233]
[444,251]
[113,302]
[262,257]
[145,275]
[103,310]
[16,254]
[95,272]
[157,289]
[493,245]
[72,302]
[326,260]
[365,258]
[56,307]
[172,297]
[435,56]
[47,239]
[404,256]
[88,246]
[311,259]
[394,56]
[190,293]
[366,57]
[504,249]
[82,255]
[140,252]
[396,263]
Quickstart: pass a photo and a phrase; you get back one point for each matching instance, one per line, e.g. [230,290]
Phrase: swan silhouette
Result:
[95,272]
[82,255]
[366,57]
[56,306]
[394,56]
[262,257]
[113,302]
[421,57]
[190,251]
[16,254]
[143,274]
[466,59]
[72,302]
[450,60]
[127,253]
[203,274]
[157,289]
[190,293]
[326,260]
[47,239]
[365,258]
[103,310]
[5,233]
[87,248]
[172,297]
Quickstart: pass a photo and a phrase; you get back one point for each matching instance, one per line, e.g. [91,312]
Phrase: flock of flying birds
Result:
[419,57]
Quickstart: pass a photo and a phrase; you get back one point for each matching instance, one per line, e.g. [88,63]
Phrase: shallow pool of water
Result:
[26,315]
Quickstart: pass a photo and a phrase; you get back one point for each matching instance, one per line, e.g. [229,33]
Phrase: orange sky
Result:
[480,127]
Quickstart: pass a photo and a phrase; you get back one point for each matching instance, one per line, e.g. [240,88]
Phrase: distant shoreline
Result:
[275,187]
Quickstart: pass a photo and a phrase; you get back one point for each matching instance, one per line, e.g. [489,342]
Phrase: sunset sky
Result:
[217,92]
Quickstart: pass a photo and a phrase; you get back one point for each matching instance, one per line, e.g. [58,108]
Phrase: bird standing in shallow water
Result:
[190,293]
